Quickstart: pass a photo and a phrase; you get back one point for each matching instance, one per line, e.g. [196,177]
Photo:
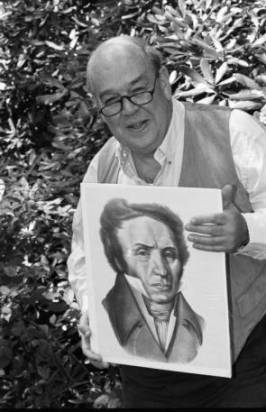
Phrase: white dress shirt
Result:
[248,143]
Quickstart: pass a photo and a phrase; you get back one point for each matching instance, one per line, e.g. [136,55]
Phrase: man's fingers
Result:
[207,240]
[85,334]
[212,225]
[84,326]
[84,322]
[100,365]
[213,230]
[85,331]
[92,357]
[208,248]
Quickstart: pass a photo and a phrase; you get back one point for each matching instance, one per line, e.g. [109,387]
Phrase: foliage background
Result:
[215,52]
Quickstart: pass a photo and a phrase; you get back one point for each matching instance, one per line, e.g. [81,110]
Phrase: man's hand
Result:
[85,334]
[220,232]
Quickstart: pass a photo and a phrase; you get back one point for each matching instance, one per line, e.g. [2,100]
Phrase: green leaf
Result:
[51,98]
[130,16]
[208,50]
[44,371]
[45,329]
[217,44]
[6,312]
[261,57]
[57,307]
[246,81]
[182,7]
[206,70]
[4,290]
[244,105]
[239,62]
[173,77]
[6,353]
[193,74]
[227,82]
[3,86]
[261,78]
[221,15]
[101,402]
[201,88]
[21,61]
[260,41]
[174,12]
[10,271]
[247,94]
[221,71]
[152,19]
[52,319]
[54,46]
[207,100]
[18,328]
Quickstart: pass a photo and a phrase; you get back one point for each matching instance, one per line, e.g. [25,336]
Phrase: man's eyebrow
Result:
[140,244]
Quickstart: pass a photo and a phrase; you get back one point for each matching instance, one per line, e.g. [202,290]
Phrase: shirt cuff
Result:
[256,248]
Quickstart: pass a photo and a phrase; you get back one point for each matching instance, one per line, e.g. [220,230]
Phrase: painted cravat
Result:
[161,314]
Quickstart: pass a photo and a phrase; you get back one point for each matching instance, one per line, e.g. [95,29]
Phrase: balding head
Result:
[120,49]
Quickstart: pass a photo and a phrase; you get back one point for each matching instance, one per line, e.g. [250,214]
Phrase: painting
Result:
[154,301]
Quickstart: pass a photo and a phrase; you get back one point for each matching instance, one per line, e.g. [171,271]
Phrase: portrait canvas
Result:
[154,300]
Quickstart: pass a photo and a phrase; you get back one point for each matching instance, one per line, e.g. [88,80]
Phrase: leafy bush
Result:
[215,52]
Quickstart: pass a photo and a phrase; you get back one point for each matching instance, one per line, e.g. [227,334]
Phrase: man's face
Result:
[125,72]
[152,256]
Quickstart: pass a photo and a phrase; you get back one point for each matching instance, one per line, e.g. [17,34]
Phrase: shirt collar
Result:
[136,284]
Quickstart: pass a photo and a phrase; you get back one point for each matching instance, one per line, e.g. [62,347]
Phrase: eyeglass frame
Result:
[120,100]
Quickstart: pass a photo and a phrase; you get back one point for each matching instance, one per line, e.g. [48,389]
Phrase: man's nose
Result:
[159,265]
[127,106]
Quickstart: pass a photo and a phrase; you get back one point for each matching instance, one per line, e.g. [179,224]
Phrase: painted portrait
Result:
[153,300]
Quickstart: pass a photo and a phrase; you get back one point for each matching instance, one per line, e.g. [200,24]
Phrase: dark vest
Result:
[208,162]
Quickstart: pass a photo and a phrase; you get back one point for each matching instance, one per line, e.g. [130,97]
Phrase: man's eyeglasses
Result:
[115,106]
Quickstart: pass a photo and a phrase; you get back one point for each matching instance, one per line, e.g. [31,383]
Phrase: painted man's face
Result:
[152,256]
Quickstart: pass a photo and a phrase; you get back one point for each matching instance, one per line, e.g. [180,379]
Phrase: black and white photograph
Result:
[132,204]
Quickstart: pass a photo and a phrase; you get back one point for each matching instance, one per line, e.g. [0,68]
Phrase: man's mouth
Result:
[162,286]
[138,126]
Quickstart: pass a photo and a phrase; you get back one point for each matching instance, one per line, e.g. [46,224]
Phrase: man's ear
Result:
[97,104]
[164,82]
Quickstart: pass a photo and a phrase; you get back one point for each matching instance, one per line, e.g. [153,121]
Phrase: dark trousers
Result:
[150,388]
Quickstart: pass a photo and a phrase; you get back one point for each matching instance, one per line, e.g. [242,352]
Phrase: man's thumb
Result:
[228,195]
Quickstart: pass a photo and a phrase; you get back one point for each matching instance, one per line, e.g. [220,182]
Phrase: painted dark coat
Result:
[134,334]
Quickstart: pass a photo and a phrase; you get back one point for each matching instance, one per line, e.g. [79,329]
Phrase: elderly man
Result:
[160,141]
[145,246]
